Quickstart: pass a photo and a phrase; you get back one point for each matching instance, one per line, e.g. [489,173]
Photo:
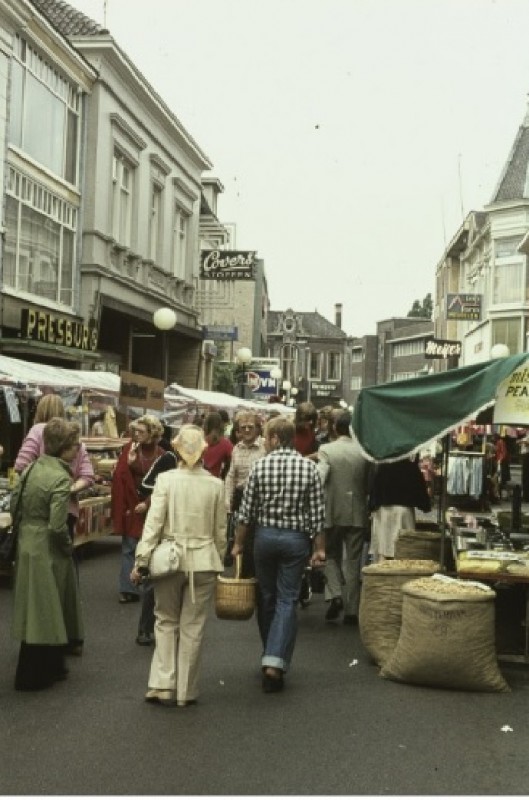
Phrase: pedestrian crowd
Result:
[279,497]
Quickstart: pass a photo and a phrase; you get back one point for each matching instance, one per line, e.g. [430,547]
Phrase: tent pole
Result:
[442,500]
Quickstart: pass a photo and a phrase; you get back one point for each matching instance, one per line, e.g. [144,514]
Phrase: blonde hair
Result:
[153,425]
[49,406]
[190,443]
[283,428]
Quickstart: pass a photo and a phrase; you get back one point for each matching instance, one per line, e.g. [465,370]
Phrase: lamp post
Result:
[244,356]
[500,351]
[294,391]
[164,319]
[307,359]
[286,387]
[276,375]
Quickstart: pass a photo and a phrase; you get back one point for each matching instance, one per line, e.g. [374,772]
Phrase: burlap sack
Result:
[446,637]
[423,544]
[379,615]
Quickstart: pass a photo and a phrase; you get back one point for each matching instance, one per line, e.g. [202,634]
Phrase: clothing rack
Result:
[468,499]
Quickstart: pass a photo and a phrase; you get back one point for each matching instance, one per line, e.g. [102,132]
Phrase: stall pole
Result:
[441,516]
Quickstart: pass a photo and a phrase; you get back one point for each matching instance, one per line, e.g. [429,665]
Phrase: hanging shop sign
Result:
[220,333]
[441,348]
[40,326]
[224,265]
[463,306]
[322,389]
[261,382]
[512,398]
[140,391]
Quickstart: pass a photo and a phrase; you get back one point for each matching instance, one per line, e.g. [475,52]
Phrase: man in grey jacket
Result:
[345,476]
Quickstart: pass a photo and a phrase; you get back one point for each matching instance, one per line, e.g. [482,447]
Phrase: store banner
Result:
[464,306]
[223,265]
[442,348]
[261,382]
[512,398]
[139,391]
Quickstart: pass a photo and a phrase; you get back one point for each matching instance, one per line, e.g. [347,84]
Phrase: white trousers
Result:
[178,632]
[388,521]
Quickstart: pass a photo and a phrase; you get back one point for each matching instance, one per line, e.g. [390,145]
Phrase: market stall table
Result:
[494,576]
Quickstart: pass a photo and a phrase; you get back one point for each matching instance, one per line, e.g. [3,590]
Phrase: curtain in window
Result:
[508,286]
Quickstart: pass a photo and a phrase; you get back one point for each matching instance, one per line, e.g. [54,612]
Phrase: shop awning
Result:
[220,399]
[27,373]
[395,420]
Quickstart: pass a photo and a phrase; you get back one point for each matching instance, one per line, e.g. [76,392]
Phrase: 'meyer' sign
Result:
[441,348]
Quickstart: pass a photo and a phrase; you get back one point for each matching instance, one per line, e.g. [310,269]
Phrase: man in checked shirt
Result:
[284,498]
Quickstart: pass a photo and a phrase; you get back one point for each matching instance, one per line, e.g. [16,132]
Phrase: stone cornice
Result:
[120,123]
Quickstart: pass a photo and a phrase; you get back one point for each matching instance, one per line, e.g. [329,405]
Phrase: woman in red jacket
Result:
[128,510]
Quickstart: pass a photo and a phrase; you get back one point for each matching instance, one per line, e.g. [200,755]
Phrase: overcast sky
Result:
[350,135]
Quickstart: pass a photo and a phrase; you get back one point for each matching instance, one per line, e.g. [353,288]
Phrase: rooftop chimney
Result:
[338,315]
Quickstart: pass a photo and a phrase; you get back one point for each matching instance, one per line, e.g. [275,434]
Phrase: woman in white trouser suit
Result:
[187,505]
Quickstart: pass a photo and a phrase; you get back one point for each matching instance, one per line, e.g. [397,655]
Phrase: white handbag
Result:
[165,559]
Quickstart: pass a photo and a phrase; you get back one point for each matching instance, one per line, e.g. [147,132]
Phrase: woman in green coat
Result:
[47,611]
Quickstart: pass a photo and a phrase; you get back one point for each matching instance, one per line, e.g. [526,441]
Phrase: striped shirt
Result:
[284,490]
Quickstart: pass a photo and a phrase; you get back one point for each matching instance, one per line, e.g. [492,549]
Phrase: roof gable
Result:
[313,324]
[67,20]
[514,181]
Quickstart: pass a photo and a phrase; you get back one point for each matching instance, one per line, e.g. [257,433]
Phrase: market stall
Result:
[396,421]
[202,399]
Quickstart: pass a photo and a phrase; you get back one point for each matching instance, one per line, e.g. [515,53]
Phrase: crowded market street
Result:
[338,728]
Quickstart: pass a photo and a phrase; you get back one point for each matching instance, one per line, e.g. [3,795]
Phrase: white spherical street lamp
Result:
[164,319]
[244,356]
[500,351]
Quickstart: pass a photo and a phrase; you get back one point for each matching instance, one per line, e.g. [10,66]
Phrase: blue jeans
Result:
[128,552]
[280,559]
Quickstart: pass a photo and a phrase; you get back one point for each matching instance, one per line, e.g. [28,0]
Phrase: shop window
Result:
[44,113]
[507,331]
[315,366]
[40,252]
[289,363]
[122,187]
[413,347]
[180,238]
[155,228]
[334,366]
[508,286]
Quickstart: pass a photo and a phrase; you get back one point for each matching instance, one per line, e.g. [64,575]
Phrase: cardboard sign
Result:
[141,392]
[512,398]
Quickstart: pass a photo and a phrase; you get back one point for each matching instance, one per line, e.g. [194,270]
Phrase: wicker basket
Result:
[235,597]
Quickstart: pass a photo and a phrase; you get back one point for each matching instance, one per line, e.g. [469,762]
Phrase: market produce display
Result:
[447,636]
[381,602]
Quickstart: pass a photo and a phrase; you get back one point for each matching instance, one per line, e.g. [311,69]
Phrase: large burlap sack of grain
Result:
[447,636]
[418,544]
[381,602]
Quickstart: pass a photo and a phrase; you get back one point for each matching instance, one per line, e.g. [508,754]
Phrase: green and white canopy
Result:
[395,420]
